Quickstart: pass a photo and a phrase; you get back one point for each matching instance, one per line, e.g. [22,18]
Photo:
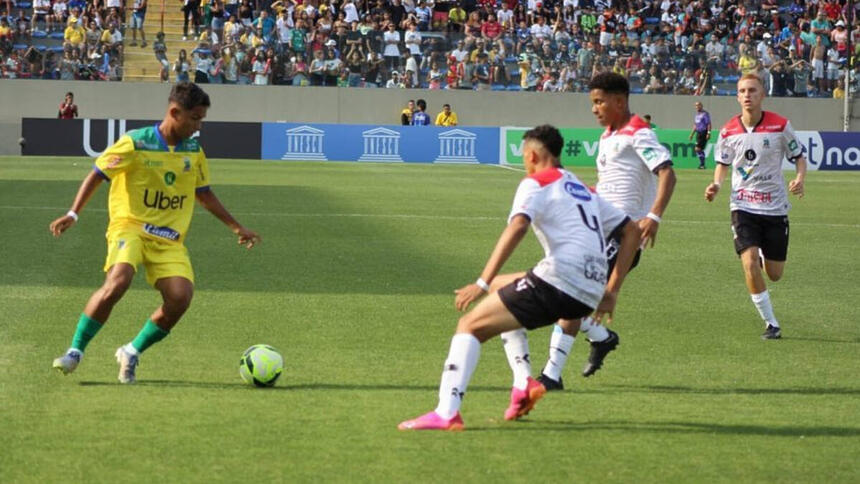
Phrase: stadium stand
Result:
[663,46]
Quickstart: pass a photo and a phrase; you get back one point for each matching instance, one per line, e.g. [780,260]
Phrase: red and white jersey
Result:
[755,155]
[571,223]
[625,167]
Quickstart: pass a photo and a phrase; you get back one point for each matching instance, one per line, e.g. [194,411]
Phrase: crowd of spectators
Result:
[88,37]
[798,47]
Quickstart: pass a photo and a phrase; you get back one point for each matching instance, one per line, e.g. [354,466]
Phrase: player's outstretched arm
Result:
[210,202]
[714,188]
[508,241]
[630,237]
[796,186]
[651,223]
[86,190]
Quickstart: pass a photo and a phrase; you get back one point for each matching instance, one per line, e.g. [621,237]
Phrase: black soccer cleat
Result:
[599,350]
[550,384]
[772,332]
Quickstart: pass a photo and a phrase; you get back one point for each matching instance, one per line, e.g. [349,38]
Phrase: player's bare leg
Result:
[758,289]
[96,313]
[176,294]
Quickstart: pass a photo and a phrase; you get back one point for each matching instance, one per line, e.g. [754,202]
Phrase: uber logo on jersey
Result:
[577,191]
[750,154]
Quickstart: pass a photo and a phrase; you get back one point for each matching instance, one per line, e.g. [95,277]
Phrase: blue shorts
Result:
[137,20]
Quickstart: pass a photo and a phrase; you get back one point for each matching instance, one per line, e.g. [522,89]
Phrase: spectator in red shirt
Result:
[491,28]
[832,9]
[68,108]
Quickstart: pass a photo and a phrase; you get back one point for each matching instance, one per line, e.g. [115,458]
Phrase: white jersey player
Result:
[753,145]
[634,173]
[570,281]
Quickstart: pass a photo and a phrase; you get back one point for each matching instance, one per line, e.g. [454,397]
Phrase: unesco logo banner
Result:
[380,144]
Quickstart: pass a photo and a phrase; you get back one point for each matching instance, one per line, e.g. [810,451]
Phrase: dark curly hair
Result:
[610,83]
[188,95]
[547,135]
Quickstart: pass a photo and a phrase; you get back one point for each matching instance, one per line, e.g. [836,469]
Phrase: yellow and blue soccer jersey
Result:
[153,186]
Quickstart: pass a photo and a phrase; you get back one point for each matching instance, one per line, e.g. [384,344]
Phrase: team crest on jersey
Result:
[649,154]
[186,164]
[792,145]
[577,191]
[767,143]
[169,178]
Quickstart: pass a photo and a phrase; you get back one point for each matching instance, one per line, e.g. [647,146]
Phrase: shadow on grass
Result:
[673,428]
[732,391]
[282,386]
[823,340]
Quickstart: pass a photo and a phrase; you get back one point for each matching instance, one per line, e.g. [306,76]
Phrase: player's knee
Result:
[114,287]
[178,301]
[774,273]
[570,327]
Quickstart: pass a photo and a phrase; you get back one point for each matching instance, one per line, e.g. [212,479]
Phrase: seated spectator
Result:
[74,37]
[182,67]
[42,13]
[112,39]
[434,77]
[394,81]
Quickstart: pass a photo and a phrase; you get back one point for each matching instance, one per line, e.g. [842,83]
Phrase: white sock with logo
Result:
[765,309]
[560,345]
[461,362]
[516,344]
[593,330]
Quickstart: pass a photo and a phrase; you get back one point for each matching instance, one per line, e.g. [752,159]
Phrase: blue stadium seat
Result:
[56,49]
[718,77]
[732,78]
[20,46]
[652,20]
[41,48]
[24,5]
[636,90]
[56,35]
[514,87]
[498,87]
[511,60]
[38,34]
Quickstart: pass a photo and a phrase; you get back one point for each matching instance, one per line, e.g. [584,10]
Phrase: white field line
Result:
[416,216]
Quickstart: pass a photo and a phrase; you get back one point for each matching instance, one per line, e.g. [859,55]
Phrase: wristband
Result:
[654,217]
[73,214]
[483,284]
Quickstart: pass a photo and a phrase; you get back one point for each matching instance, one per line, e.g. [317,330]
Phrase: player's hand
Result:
[605,308]
[711,192]
[649,229]
[60,225]
[466,295]
[796,187]
[248,237]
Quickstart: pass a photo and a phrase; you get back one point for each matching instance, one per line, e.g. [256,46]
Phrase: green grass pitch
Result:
[354,284]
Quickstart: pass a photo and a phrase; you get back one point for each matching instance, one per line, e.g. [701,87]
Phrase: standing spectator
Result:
[702,131]
[394,81]
[834,64]
[137,17]
[333,67]
[202,63]
[801,71]
[466,73]
[191,11]
[446,117]
[391,38]
[412,39]
[261,69]
[160,49]
[818,56]
[181,67]
[317,69]
[68,108]
[420,117]
[482,73]
[406,114]
[60,12]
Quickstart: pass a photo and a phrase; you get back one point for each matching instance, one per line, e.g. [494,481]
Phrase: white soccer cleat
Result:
[127,364]
[68,362]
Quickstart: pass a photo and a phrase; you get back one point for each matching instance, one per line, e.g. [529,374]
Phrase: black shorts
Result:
[701,139]
[536,303]
[767,232]
[612,253]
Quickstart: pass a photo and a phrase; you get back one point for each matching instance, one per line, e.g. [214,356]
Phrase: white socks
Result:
[560,345]
[516,345]
[762,303]
[461,362]
[594,331]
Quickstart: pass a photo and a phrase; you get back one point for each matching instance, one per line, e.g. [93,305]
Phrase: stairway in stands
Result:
[140,64]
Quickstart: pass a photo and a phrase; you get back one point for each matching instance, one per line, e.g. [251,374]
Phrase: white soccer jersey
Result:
[625,167]
[571,224]
[756,159]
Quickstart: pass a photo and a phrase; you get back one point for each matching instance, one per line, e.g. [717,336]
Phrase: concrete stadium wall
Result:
[25,98]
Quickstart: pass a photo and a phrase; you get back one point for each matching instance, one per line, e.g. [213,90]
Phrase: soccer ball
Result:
[261,365]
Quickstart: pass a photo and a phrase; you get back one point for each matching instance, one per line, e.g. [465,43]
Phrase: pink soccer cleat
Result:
[523,401]
[432,421]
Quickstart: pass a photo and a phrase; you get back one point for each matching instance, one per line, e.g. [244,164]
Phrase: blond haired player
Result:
[752,145]
[155,175]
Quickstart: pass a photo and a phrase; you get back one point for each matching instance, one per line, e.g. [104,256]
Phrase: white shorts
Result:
[833,73]
[605,37]
[817,69]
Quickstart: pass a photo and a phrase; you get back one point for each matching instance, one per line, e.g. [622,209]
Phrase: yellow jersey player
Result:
[155,174]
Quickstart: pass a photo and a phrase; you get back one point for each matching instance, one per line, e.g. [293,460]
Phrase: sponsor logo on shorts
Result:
[577,191]
[163,232]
